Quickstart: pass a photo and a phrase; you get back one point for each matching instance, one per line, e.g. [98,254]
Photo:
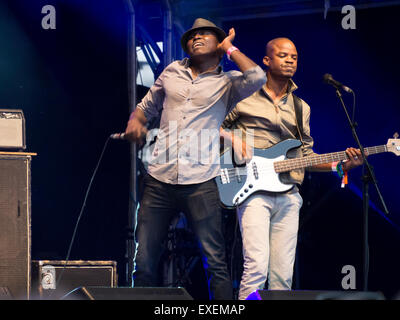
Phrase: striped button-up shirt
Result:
[192,111]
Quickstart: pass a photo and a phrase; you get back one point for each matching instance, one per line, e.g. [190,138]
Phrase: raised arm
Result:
[240,59]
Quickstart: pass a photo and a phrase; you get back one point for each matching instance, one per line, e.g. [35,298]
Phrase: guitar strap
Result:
[298,108]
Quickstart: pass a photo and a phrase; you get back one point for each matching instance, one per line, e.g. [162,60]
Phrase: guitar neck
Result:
[298,163]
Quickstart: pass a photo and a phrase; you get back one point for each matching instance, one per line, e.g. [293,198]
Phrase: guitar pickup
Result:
[225,176]
[238,176]
[255,172]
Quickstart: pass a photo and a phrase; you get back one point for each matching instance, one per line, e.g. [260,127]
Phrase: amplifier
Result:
[12,129]
[15,224]
[46,283]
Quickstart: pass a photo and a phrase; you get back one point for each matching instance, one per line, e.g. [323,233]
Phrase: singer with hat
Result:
[193,96]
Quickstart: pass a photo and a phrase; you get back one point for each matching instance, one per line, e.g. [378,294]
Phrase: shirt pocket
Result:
[208,91]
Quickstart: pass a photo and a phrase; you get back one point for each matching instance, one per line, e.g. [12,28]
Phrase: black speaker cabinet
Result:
[52,279]
[15,223]
[101,293]
[314,295]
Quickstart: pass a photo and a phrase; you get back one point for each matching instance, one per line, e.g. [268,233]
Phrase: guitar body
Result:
[237,183]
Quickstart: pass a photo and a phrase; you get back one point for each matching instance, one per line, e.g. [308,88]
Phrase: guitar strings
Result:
[233,172]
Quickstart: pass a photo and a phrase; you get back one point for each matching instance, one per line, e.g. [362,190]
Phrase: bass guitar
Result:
[262,172]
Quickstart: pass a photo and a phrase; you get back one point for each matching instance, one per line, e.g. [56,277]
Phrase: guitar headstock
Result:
[393,145]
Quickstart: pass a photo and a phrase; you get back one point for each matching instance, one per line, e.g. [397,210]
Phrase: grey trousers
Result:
[269,225]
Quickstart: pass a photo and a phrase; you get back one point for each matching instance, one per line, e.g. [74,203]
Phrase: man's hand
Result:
[135,130]
[227,42]
[355,159]
[239,58]
[242,151]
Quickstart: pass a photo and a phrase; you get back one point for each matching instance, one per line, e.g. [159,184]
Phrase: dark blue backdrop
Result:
[72,85]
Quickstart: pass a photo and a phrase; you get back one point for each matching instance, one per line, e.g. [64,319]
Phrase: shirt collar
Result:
[185,62]
[291,87]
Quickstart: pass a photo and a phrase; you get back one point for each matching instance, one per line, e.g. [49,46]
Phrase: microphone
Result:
[118,136]
[329,80]
[122,136]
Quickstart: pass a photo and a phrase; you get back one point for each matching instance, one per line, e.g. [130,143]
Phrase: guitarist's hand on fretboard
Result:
[355,159]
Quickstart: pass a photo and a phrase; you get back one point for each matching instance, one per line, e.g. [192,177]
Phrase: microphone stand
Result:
[367,177]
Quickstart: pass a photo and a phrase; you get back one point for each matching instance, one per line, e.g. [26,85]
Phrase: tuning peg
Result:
[396,135]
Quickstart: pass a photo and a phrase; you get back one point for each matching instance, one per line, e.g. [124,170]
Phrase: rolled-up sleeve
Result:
[245,84]
[153,101]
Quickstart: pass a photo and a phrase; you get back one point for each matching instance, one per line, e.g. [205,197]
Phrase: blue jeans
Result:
[200,203]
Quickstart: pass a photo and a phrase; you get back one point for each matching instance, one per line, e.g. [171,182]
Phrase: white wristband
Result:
[230,50]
